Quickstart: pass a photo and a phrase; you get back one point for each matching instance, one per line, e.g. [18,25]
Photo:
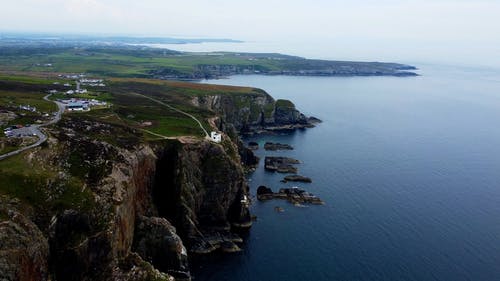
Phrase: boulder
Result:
[157,242]
[253,145]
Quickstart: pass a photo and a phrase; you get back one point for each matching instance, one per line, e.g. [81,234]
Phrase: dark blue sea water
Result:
[410,172]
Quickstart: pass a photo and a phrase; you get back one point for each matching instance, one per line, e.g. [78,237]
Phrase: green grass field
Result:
[108,62]
[25,180]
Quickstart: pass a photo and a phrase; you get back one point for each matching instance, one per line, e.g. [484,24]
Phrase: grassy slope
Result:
[22,179]
[178,94]
[26,180]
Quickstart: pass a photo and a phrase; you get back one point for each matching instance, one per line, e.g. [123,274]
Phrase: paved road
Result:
[34,130]
[178,110]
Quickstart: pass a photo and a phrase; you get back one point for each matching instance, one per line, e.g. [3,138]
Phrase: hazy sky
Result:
[369,29]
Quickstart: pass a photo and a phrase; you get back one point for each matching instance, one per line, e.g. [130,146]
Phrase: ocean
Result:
[409,169]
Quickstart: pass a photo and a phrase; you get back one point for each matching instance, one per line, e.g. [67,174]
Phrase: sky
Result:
[465,31]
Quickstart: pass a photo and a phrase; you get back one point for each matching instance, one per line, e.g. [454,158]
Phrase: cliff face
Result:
[117,208]
[152,205]
[196,187]
[254,113]
[24,250]
[95,244]
[199,187]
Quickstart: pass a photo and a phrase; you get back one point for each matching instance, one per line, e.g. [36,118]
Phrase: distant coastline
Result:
[125,57]
[75,38]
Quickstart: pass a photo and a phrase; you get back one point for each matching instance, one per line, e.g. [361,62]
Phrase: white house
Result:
[216,137]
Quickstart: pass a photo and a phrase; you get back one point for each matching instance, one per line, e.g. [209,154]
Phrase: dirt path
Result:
[177,110]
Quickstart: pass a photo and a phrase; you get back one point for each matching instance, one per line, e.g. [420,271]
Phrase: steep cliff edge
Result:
[104,199]
[196,186]
[147,206]
[201,189]
[254,112]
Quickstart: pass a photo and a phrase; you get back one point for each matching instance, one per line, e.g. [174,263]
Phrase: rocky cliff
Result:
[254,113]
[100,202]
[24,250]
[148,206]
[201,190]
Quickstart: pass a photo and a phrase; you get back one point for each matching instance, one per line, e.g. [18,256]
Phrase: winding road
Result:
[34,130]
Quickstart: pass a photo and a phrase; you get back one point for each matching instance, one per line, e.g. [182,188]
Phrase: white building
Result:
[77,106]
[216,137]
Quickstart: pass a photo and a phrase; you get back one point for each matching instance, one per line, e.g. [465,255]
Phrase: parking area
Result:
[28,131]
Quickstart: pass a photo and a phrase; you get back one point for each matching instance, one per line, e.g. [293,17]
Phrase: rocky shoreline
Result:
[291,66]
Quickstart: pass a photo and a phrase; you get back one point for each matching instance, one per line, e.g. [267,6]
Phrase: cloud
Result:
[397,26]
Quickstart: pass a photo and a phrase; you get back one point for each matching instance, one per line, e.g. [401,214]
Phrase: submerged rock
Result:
[277,146]
[229,247]
[294,195]
[297,178]
[280,164]
[264,193]
[279,209]
[253,145]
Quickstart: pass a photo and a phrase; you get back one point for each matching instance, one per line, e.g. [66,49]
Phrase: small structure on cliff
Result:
[216,137]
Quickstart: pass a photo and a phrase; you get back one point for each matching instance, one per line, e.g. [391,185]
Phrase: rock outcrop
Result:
[280,164]
[157,242]
[277,146]
[253,145]
[254,113]
[297,178]
[24,251]
[294,195]
[200,189]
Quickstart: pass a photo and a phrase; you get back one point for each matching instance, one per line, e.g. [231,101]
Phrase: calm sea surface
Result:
[409,169]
